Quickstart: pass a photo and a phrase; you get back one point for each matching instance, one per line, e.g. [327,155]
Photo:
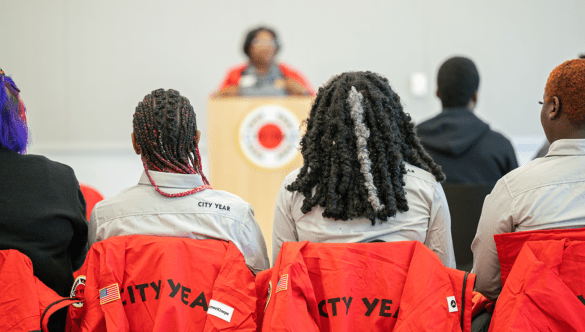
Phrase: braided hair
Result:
[165,130]
[357,140]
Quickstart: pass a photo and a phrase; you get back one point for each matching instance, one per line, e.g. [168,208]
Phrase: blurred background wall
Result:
[84,65]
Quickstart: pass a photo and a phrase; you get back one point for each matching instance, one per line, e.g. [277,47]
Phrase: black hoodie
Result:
[466,148]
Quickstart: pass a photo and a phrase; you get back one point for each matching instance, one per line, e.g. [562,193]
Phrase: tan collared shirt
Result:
[547,193]
[203,215]
[427,219]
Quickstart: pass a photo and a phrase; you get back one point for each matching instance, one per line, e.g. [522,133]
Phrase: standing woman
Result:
[365,175]
[262,75]
[42,210]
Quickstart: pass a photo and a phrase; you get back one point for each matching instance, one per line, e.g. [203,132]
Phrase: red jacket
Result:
[545,289]
[164,284]
[393,286]
[509,245]
[25,302]
[92,197]
[235,73]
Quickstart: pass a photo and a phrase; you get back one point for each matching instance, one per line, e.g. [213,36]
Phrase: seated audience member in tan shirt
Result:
[548,192]
[365,175]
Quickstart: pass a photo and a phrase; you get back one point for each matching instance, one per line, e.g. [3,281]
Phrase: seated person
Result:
[465,146]
[42,210]
[365,175]
[262,75]
[547,193]
[173,197]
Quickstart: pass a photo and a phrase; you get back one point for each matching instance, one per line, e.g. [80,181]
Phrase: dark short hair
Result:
[457,81]
[252,34]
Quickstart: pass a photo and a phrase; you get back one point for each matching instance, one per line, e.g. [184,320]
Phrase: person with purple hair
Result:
[42,209]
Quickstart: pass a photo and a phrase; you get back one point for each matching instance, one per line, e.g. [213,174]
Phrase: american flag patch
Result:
[109,294]
[282,283]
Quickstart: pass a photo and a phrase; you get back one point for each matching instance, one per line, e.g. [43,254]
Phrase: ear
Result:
[474,97]
[135,145]
[554,109]
[198,137]
[437,93]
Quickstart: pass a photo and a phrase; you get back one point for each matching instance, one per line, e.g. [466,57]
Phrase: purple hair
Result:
[13,127]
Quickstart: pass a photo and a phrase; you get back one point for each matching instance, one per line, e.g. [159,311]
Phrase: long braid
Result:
[354,149]
[165,130]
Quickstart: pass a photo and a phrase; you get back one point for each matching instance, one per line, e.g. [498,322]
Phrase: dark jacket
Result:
[466,148]
[42,215]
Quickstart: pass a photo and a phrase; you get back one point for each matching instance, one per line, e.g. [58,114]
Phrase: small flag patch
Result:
[282,283]
[109,294]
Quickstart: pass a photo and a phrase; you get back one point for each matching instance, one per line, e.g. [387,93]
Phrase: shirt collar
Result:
[172,180]
[567,147]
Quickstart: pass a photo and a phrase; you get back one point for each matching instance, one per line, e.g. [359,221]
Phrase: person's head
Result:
[357,141]
[13,126]
[563,110]
[165,134]
[261,45]
[457,82]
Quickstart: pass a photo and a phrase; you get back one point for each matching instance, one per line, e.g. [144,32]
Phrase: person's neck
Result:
[261,68]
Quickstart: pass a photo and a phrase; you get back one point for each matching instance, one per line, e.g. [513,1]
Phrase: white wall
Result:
[84,65]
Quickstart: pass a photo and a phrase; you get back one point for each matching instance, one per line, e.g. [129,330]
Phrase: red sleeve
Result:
[92,197]
[288,71]
[233,76]
[233,300]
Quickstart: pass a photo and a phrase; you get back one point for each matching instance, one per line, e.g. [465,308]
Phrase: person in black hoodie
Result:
[465,147]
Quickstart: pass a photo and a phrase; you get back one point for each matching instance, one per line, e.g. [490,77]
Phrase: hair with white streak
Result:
[362,134]
[357,142]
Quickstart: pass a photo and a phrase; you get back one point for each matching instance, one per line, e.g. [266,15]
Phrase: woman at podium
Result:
[262,76]
[365,176]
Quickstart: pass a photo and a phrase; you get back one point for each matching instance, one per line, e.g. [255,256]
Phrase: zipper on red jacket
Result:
[463,299]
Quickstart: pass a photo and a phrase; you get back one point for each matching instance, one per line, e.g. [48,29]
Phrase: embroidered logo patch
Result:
[220,310]
[452,304]
[78,289]
[109,294]
[269,294]
[282,283]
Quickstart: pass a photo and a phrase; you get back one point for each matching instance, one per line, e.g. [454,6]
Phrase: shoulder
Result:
[499,139]
[291,177]
[48,167]
[531,175]
[237,69]
[414,172]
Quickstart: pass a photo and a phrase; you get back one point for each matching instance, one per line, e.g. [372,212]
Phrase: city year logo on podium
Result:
[269,136]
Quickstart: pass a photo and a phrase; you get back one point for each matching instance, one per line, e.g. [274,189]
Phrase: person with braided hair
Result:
[365,176]
[173,196]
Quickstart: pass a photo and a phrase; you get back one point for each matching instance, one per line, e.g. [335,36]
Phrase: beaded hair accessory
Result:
[363,133]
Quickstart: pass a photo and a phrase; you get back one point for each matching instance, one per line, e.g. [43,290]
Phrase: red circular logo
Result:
[270,136]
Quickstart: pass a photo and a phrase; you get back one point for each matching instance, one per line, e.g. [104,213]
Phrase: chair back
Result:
[465,204]
[152,283]
[392,286]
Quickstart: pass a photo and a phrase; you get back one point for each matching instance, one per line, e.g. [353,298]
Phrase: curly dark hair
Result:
[165,129]
[567,82]
[330,151]
[252,34]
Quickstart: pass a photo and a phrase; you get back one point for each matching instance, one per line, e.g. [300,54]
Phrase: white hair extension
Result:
[363,133]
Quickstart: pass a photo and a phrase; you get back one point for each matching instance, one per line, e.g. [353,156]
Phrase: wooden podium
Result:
[253,145]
